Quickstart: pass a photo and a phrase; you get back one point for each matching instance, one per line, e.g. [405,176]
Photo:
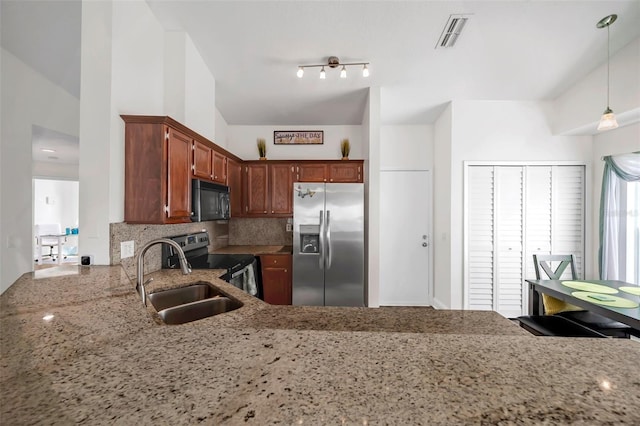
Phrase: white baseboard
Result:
[437,304]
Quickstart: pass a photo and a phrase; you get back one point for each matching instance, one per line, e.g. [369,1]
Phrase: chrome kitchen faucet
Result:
[184,265]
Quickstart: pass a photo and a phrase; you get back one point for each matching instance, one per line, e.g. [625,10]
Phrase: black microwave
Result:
[210,201]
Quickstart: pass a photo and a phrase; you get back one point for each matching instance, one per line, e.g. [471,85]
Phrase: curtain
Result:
[618,170]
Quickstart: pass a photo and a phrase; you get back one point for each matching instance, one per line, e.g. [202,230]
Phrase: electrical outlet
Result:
[127,249]
[289,227]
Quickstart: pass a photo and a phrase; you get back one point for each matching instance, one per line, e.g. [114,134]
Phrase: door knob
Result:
[424,244]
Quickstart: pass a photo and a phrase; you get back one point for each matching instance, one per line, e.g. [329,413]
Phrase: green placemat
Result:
[586,286]
[605,300]
[635,290]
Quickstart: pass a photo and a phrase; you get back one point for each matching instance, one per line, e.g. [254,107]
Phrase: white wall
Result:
[372,168]
[189,86]
[199,93]
[27,99]
[622,140]
[407,147]
[222,131]
[578,110]
[49,170]
[55,201]
[124,72]
[502,131]
[95,130]
[441,242]
[242,142]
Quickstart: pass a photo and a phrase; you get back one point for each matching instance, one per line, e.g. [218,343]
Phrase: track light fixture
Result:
[608,120]
[334,62]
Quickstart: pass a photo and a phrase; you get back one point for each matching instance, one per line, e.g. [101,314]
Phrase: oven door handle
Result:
[240,271]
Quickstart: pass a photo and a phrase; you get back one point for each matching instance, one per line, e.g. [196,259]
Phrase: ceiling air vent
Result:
[451,31]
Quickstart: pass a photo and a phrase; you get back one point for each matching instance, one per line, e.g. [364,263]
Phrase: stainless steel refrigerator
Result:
[328,244]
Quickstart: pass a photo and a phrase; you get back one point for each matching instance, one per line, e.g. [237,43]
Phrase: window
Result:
[619,218]
[630,234]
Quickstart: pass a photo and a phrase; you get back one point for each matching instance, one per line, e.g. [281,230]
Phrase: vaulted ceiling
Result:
[509,50]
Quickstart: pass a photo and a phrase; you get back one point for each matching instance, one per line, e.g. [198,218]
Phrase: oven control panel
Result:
[192,241]
[191,244]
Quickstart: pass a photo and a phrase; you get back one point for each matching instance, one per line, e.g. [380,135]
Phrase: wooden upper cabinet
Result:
[208,163]
[202,160]
[281,188]
[311,172]
[344,172]
[329,171]
[234,181]
[268,188]
[157,173]
[256,189]
[219,168]
[179,179]
[161,157]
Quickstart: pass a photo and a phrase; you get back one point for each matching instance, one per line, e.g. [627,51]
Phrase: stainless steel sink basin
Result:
[197,310]
[179,296]
[191,303]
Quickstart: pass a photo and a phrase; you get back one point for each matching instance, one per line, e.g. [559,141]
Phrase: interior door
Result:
[405,215]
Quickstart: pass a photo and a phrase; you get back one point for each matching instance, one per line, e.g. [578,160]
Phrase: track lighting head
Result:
[334,62]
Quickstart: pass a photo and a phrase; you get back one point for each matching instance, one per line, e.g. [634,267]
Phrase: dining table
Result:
[613,299]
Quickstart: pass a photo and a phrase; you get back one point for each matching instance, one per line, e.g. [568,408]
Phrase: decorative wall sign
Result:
[298,137]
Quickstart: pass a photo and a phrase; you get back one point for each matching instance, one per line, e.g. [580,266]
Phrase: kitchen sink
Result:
[194,311]
[191,303]
[179,296]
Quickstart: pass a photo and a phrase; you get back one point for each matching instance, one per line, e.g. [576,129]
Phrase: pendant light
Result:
[608,119]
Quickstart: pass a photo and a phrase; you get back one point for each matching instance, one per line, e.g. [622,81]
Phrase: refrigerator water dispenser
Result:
[309,239]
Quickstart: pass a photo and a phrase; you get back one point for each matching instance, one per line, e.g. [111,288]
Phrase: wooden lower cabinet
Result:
[276,278]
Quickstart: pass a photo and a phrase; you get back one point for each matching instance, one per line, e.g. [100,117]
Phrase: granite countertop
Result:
[105,359]
[255,250]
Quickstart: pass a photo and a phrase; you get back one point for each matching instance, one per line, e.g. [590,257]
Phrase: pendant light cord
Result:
[608,60]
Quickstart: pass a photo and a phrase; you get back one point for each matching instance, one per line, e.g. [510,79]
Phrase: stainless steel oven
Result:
[243,270]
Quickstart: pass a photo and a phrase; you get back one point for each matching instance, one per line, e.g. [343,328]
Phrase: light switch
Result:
[127,249]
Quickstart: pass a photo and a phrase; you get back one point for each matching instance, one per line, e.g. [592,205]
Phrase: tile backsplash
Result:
[259,231]
[141,234]
[237,231]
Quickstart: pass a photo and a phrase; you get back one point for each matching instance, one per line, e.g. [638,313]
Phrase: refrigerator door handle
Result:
[321,241]
[328,238]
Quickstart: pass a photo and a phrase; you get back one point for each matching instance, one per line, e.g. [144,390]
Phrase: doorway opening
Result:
[55,222]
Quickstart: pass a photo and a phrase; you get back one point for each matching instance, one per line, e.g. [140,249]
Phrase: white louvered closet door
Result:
[537,223]
[567,233]
[480,222]
[508,240]
[514,212]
